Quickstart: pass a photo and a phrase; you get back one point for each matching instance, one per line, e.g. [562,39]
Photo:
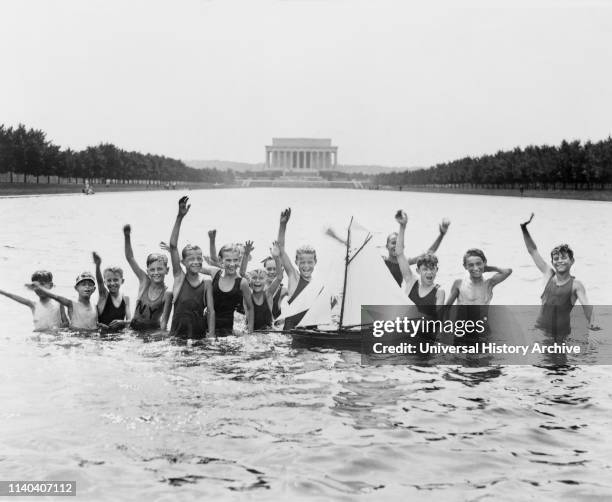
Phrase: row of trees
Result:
[570,165]
[28,152]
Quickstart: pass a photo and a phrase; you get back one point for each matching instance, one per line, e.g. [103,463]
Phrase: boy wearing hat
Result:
[83,314]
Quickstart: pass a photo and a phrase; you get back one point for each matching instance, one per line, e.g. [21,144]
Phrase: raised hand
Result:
[183,206]
[525,223]
[127,230]
[212,234]
[444,224]
[248,247]
[285,215]
[96,259]
[275,250]
[401,217]
[164,246]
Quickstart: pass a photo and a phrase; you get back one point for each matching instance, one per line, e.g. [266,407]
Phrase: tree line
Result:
[571,165]
[28,152]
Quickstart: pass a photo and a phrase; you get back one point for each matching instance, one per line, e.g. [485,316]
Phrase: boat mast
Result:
[346,264]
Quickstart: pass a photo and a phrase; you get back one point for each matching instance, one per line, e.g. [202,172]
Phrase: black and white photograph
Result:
[311,250]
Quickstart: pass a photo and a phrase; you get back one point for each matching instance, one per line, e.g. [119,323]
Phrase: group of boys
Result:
[205,297]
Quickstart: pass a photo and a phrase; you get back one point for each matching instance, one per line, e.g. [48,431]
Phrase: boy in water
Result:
[297,280]
[263,292]
[475,289]
[561,289]
[192,293]
[391,260]
[46,313]
[230,291]
[83,315]
[154,299]
[421,289]
[113,306]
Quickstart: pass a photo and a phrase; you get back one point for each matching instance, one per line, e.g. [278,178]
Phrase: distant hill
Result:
[245,166]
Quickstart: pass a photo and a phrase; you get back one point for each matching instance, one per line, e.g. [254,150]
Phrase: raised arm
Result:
[331,233]
[292,275]
[212,247]
[60,299]
[183,209]
[102,291]
[443,228]
[273,286]
[246,256]
[18,299]
[402,261]
[501,274]
[129,253]
[544,267]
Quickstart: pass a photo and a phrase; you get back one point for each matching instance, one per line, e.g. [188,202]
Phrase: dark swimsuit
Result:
[292,321]
[557,304]
[188,317]
[147,313]
[262,315]
[395,270]
[226,302]
[425,304]
[112,313]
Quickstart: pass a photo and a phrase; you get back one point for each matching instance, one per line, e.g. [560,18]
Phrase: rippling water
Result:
[129,418]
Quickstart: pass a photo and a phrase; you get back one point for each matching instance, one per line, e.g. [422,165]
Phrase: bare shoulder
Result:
[457,283]
[578,285]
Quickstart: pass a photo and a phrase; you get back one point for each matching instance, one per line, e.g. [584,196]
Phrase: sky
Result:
[393,83]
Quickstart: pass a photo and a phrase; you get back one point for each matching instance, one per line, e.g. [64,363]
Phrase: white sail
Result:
[320,312]
[368,282]
[304,300]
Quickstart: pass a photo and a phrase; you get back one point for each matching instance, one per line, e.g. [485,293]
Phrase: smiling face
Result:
[192,260]
[257,280]
[306,263]
[475,266]
[562,262]
[230,260]
[85,289]
[113,281]
[157,270]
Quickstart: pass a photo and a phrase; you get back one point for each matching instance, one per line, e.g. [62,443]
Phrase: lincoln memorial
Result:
[302,156]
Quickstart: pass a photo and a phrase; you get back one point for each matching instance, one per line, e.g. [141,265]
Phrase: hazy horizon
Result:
[394,84]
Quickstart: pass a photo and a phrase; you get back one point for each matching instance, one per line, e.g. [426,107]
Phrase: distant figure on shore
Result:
[521,189]
[88,189]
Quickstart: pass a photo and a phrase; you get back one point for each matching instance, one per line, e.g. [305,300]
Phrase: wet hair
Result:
[305,249]
[42,276]
[562,249]
[153,257]
[260,272]
[235,248]
[113,270]
[391,235]
[266,260]
[474,252]
[428,260]
[188,248]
